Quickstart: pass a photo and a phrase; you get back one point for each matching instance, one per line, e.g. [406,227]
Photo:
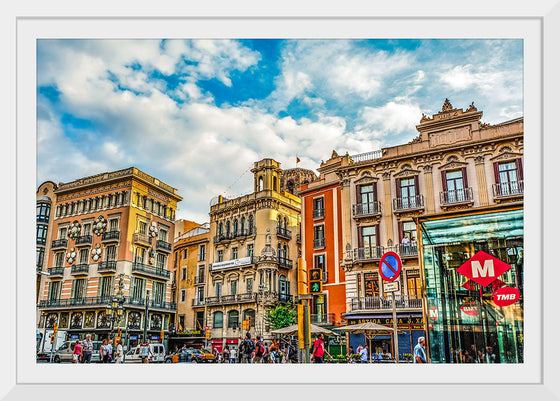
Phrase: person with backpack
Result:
[246,349]
[318,350]
[260,351]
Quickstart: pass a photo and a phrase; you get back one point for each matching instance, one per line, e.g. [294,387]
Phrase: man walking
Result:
[87,349]
[246,348]
[318,350]
[419,351]
[145,351]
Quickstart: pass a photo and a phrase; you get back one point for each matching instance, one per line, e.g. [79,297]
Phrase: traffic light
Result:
[55,328]
[315,281]
[162,334]
[246,324]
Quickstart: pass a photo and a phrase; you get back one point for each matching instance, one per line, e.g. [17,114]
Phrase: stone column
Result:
[386,206]
[430,204]
[481,180]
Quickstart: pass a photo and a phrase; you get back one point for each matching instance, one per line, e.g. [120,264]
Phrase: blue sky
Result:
[198,113]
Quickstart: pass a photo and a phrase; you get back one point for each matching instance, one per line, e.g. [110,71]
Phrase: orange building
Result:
[322,238]
[110,240]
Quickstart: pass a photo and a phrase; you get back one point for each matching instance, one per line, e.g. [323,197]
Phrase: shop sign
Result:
[232,263]
[505,296]
[133,338]
[188,332]
[483,268]
[407,323]
[155,337]
[433,313]
[469,308]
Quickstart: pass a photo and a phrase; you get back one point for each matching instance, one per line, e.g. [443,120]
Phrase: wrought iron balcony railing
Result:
[285,262]
[163,246]
[408,203]
[229,299]
[141,303]
[283,232]
[199,280]
[107,266]
[407,250]
[508,189]
[463,195]
[110,236]
[378,302]
[59,243]
[236,234]
[366,209]
[318,213]
[140,238]
[141,268]
[70,302]
[82,268]
[84,240]
[318,243]
[368,253]
[56,271]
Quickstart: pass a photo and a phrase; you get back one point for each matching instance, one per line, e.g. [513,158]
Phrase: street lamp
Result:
[146,315]
[115,310]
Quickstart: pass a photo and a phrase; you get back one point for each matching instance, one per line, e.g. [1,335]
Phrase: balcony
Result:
[411,203]
[59,244]
[407,250]
[285,263]
[81,269]
[150,271]
[368,253]
[163,246]
[109,266]
[381,303]
[231,299]
[283,233]
[74,302]
[507,190]
[318,213]
[197,303]
[456,197]
[110,236]
[240,234]
[298,238]
[319,243]
[141,303]
[322,318]
[84,240]
[56,271]
[366,209]
[142,239]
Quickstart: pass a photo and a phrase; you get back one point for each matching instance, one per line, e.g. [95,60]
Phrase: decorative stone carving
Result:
[99,226]
[153,229]
[446,105]
[479,160]
[427,168]
[74,230]
[268,254]
[386,176]
[151,256]
[472,107]
[96,252]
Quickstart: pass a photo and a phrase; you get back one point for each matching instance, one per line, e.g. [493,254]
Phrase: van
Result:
[158,351]
[64,352]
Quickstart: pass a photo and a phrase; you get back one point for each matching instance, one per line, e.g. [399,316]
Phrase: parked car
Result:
[158,354]
[210,357]
[64,352]
[189,355]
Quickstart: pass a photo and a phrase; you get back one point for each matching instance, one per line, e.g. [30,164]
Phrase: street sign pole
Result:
[395,334]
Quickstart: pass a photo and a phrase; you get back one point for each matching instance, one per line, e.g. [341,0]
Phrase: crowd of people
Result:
[108,353]
[257,351]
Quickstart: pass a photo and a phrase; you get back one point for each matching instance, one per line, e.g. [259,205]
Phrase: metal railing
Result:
[368,253]
[56,271]
[318,213]
[318,243]
[508,188]
[285,262]
[109,265]
[199,280]
[456,196]
[376,154]
[141,302]
[366,209]
[405,250]
[283,232]
[141,238]
[198,302]
[59,243]
[84,239]
[229,299]
[237,234]
[379,302]
[321,318]
[150,270]
[110,236]
[407,203]
[68,302]
[163,245]
[82,268]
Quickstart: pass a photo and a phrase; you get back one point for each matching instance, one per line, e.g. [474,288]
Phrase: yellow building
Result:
[110,240]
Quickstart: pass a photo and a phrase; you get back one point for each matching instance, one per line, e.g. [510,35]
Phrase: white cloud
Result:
[393,117]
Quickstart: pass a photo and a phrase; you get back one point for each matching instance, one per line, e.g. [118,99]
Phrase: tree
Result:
[281,315]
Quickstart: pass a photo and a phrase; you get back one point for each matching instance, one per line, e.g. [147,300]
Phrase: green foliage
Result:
[281,315]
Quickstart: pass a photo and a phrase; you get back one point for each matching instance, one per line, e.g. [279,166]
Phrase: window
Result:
[233,285]
[366,198]
[249,314]
[162,234]
[201,252]
[218,289]
[243,226]
[218,320]
[200,277]
[86,229]
[106,287]
[111,252]
[221,229]
[40,257]
[142,227]
[249,285]
[158,296]
[54,290]
[114,225]
[137,288]
[509,177]
[407,189]
[227,228]
[175,259]
[220,255]
[319,263]
[371,282]
[161,261]
[59,259]
[185,254]
[183,295]
[62,232]
[283,285]
[233,319]
[234,253]
[368,241]
[200,294]
[41,234]
[199,324]
[414,284]
[139,255]
[318,207]
[84,256]
[182,321]
[250,250]
[454,184]
[43,211]
[78,288]
[184,273]
[251,224]
[235,227]
[319,236]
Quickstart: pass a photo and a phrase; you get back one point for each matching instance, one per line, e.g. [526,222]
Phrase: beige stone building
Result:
[253,254]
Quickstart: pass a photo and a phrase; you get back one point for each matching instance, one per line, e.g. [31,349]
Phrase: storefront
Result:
[463,323]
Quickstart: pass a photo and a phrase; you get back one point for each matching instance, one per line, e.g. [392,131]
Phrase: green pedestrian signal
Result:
[315,281]
[315,287]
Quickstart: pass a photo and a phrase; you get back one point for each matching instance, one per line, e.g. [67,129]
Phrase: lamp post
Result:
[146,315]
[115,310]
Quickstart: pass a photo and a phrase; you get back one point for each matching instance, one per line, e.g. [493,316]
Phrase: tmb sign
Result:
[483,268]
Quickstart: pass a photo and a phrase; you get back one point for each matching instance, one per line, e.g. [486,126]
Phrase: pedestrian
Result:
[104,352]
[119,353]
[77,352]
[87,349]
[111,350]
[419,351]
[226,354]
[350,351]
[318,350]
[246,349]
[260,351]
[364,354]
[232,355]
[145,351]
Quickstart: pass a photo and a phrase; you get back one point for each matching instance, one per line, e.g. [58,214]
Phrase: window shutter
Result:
[375,191]
[519,166]
[358,194]
[398,186]
[444,180]
[416,187]
[465,180]
[401,232]
[497,172]
[360,240]
[377,235]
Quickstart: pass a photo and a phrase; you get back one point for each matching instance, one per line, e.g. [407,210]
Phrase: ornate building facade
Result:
[109,259]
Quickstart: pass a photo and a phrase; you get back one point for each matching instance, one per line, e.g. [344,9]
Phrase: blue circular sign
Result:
[390,266]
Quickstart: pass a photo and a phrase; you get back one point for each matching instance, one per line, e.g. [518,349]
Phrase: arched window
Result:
[285,252]
[249,314]
[279,251]
[233,319]
[251,225]
[227,228]
[218,320]
[243,225]
[285,223]
[261,181]
[235,226]
[279,221]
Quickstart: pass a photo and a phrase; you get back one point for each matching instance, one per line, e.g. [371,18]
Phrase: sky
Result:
[197,114]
